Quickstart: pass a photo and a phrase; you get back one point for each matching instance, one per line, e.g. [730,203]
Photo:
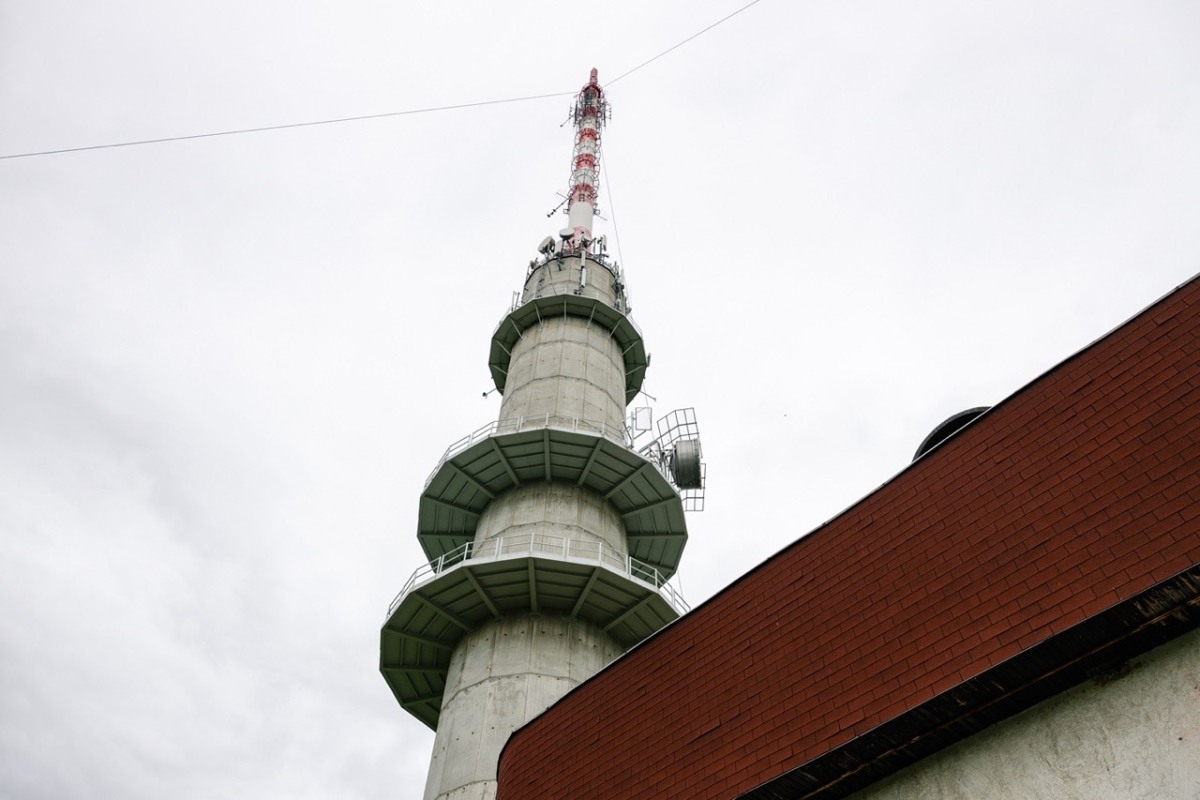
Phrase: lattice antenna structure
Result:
[589,114]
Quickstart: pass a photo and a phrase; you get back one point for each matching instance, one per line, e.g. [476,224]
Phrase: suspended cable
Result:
[405,113]
[235,132]
[681,44]
[612,208]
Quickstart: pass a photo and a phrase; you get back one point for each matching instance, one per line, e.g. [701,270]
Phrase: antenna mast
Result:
[589,115]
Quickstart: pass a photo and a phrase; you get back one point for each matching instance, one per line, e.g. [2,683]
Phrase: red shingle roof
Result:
[1051,533]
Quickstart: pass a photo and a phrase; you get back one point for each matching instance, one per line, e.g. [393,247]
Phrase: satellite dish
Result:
[567,233]
[547,245]
[677,453]
[685,464]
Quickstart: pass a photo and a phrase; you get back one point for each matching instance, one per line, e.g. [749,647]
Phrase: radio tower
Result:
[550,534]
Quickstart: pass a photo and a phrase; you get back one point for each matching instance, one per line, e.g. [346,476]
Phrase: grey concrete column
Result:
[501,676]
[567,368]
[558,509]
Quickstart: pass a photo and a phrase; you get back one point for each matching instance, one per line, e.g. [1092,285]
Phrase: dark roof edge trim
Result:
[1126,630]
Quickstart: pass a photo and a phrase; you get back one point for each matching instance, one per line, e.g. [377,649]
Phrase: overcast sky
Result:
[228,365]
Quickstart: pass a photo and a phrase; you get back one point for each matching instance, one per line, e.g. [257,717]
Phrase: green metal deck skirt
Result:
[620,326]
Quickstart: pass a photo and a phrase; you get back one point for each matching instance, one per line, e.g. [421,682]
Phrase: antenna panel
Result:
[678,451]
[685,464]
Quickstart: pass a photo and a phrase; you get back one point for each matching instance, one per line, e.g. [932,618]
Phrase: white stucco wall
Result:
[1128,736]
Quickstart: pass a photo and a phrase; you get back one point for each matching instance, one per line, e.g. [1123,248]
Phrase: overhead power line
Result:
[408,112]
[681,44]
[290,125]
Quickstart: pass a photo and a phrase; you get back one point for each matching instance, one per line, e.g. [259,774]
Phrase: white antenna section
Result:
[589,114]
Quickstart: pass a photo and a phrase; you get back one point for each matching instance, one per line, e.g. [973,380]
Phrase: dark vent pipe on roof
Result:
[947,428]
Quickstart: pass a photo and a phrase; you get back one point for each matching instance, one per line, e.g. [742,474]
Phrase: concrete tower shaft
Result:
[503,675]
[550,540]
[565,366]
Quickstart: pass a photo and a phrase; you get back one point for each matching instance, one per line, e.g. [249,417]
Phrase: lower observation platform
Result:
[539,573]
[515,452]
[587,305]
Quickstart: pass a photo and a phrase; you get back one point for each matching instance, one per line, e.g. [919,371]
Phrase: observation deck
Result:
[514,452]
[540,573]
[608,309]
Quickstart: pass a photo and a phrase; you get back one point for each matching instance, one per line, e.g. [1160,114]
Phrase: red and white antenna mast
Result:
[589,115]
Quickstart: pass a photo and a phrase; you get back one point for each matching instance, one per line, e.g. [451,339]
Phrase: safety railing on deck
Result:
[545,544]
[514,424]
[620,303]
[594,253]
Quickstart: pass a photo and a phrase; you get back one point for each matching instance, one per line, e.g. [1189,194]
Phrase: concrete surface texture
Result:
[553,508]
[501,676]
[1130,735]
[568,368]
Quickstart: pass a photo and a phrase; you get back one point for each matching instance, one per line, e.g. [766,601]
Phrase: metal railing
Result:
[514,424]
[619,302]
[593,252]
[588,551]
[620,305]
